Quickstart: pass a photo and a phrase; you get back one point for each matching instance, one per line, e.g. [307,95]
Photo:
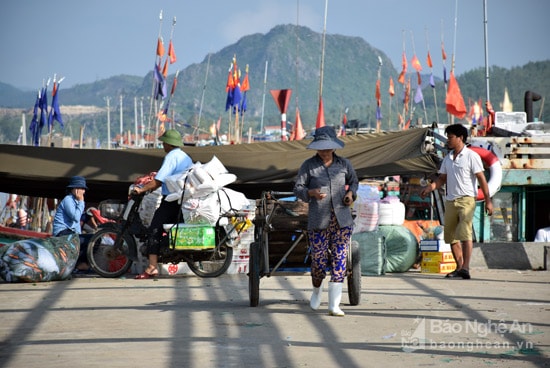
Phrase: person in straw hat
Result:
[175,162]
[327,182]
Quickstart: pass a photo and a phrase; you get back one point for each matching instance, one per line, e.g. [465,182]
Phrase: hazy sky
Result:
[85,41]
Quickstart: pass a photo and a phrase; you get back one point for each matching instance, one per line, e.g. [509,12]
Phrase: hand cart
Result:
[280,244]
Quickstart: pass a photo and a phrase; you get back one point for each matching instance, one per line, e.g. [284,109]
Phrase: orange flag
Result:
[391,90]
[454,100]
[416,63]
[245,85]
[160,47]
[172,53]
[298,132]
[165,69]
[401,78]
[443,53]
[230,81]
[377,93]
[320,115]
[429,61]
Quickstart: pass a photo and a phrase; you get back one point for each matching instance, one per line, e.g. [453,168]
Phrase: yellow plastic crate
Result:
[193,237]
[441,257]
[437,267]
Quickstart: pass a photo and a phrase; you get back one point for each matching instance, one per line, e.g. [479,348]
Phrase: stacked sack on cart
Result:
[202,193]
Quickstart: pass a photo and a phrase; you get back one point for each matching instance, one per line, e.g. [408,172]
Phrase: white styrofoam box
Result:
[170,269]
[239,263]
[392,213]
[434,246]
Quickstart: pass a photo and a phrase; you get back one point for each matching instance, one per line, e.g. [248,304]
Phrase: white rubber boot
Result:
[334,297]
[315,301]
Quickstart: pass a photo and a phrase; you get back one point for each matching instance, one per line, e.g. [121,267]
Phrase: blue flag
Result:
[418,97]
[160,84]
[243,103]
[55,113]
[34,127]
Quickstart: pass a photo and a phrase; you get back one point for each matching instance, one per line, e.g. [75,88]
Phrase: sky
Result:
[86,41]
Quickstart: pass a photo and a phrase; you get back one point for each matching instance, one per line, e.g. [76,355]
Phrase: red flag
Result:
[172,53]
[377,93]
[454,100]
[320,122]
[443,53]
[174,84]
[245,85]
[160,47]
[401,78]
[298,132]
[165,69]
[419,78]
[230,85]
[391,90]
[416,63]
[429,61]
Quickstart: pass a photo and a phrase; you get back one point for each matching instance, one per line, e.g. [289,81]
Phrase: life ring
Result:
[495,171]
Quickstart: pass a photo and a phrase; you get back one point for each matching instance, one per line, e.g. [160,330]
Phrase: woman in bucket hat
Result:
[68,215]
[175,162]
[329,184]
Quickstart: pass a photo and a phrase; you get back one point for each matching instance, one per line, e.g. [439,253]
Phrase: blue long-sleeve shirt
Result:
[68,214]
[314,174]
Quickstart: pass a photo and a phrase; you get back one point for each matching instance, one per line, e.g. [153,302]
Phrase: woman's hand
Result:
[348,198]
[317,193]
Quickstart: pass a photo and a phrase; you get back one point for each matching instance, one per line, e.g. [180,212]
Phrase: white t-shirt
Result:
[543,235]
[461,173]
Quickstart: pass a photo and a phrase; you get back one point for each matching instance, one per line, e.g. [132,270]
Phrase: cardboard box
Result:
[441,257]
[437,267]
[434,246]
[193,236]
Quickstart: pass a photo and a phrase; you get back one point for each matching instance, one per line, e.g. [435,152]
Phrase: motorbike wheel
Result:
[212,263]
[104,258]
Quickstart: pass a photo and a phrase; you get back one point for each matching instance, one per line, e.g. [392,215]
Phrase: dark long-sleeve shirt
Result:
[313,174]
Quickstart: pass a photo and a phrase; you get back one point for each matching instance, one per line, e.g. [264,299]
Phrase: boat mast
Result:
[263,100]
[323,52]
[202,97]
[486,50]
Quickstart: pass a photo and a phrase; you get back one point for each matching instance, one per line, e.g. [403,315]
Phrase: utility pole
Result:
[108,99]
[121,128]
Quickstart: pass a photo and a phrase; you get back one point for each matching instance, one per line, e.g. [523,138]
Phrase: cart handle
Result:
[271,195]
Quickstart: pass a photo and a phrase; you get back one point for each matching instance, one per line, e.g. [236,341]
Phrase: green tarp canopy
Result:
[45,171]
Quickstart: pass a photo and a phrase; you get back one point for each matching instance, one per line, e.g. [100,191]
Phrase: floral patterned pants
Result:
[333,240]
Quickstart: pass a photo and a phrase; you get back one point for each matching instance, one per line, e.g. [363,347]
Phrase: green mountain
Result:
[293,57]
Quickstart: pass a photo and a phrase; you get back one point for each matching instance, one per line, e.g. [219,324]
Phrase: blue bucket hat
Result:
[325,138]
[77,182]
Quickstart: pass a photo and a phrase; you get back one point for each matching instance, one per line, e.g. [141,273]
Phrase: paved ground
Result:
[499,318]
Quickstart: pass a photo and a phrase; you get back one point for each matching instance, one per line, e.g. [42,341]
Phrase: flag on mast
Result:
[320,122]
[55,112]
[34,127]
[454,100]
[172,53]
[244,88]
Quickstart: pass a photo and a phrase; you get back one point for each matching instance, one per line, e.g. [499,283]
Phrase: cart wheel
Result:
[354,274]
[254,263]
